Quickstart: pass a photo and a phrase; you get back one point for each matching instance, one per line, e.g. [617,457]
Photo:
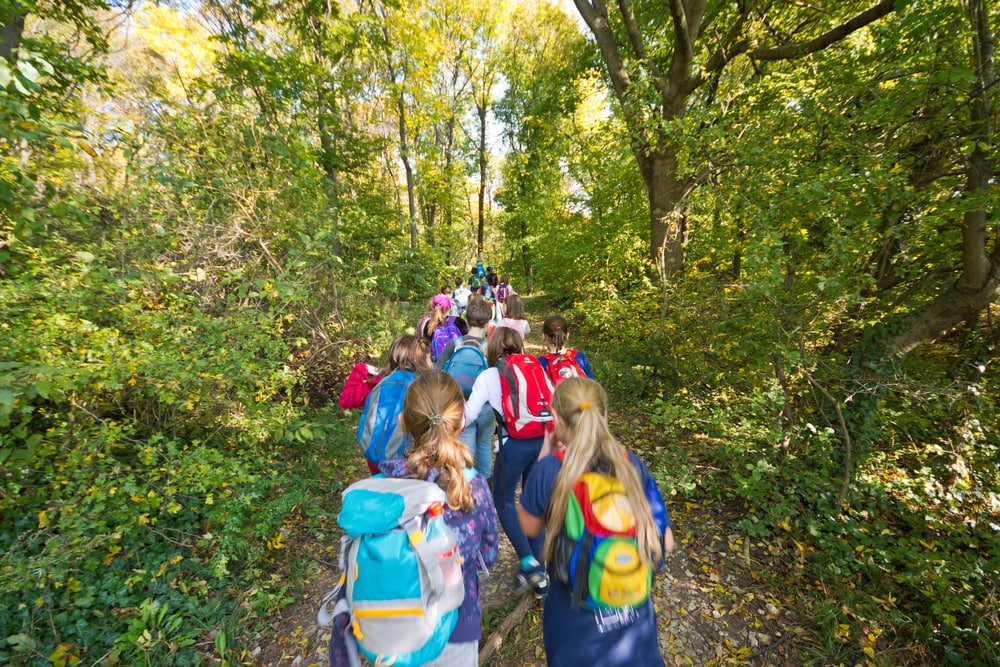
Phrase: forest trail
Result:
[713,606]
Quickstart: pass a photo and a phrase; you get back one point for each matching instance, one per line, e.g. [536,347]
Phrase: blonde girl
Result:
[433,415]
[574,635]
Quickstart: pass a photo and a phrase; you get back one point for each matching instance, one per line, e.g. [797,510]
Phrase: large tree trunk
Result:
[979,283]
[667,215]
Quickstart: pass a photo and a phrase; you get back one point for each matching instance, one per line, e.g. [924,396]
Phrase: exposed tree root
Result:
[489,645]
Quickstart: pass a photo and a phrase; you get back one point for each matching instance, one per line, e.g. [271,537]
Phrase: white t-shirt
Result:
[461,296]
[520,326]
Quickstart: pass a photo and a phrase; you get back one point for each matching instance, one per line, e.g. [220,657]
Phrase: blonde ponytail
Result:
[581,405]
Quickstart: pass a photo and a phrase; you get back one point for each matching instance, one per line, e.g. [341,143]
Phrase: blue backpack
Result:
[446,332]
[466,363]
[379,434]
[401,572]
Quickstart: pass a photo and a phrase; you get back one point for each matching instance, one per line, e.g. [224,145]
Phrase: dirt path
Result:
[711,608]
[713,604]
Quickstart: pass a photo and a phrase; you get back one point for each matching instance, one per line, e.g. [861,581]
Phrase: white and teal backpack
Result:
[401,569]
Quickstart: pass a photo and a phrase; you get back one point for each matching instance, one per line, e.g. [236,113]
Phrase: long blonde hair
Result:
[432,414]
[582,406]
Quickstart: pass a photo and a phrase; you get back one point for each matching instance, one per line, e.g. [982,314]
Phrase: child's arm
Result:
[357,386]
[581,359]
[489,544]
[531,525]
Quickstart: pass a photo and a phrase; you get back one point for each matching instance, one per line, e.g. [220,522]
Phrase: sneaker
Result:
[533,577]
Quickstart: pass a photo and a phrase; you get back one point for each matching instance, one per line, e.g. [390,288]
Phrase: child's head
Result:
[505,278]
[409,353]
[514,307]
[459,281]
[441,301]
[445,289]
[576,400]
[503,341]
[555,331]
[478,312]
[434,416]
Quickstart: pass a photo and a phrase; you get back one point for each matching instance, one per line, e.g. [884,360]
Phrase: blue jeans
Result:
[515,460]
[478,437]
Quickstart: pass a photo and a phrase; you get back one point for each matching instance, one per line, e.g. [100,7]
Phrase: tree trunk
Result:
[481,110]
[979,284]
[404,155]
[10,34]
[667,215]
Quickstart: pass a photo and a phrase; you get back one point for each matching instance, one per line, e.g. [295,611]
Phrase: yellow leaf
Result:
[43,519]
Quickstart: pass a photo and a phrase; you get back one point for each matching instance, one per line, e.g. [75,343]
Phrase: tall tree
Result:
[656,68]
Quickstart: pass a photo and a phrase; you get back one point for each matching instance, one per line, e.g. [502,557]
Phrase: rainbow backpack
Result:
[597,556]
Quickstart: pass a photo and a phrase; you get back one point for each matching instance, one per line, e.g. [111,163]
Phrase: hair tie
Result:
[434,419]
[558,328]
[584,405]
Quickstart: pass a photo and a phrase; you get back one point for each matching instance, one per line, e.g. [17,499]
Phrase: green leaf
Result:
[27,70]
[22,643]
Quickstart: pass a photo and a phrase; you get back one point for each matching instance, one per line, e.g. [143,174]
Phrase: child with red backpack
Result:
[561,362]
[519,392]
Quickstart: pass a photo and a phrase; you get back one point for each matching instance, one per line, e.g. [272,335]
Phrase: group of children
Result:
[446,418]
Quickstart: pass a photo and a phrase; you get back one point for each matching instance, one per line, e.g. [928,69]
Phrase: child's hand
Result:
[372,370]
[668,541]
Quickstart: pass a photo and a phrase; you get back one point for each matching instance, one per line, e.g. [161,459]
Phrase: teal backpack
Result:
[401,568]
[466,363]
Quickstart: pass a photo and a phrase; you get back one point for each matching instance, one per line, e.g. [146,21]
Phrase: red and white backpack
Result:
[562,366]
[527,396]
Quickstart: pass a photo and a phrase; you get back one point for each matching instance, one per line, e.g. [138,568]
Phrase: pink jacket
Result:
[357,387]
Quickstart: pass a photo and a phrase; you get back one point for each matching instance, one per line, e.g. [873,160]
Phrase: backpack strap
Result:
[423,550]
[578,589]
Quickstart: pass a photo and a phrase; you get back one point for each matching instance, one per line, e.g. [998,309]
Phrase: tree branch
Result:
[792,51]
[635,39]
[495,640]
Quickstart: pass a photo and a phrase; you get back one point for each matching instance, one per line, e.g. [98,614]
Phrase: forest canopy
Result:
[774,223]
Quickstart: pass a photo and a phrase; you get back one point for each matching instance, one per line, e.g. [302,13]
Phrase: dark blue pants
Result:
[514,461]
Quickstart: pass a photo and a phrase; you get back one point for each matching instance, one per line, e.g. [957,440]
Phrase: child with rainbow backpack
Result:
[606,531]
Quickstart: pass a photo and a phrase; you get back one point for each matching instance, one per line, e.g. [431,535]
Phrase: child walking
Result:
[570,362]
[514,460]
[478,433]
[576,634]
[406,352]
[433,417]
[438,327]
[408,356]
[513,317]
